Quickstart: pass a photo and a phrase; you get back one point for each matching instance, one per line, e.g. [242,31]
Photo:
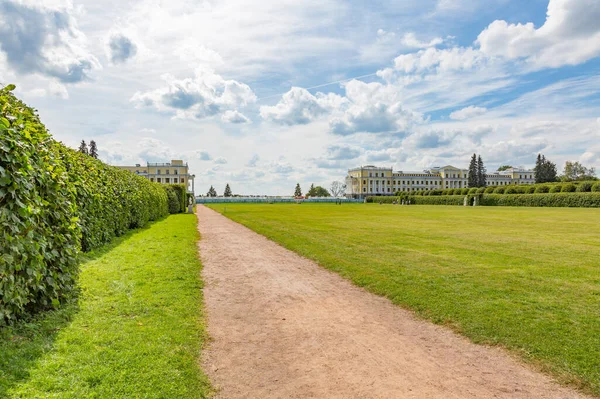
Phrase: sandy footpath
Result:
[283,327]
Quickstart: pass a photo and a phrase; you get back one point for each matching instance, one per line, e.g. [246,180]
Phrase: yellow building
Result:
[372,180]
[174,172]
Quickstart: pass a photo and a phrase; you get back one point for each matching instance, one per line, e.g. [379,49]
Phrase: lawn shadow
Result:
[29,339]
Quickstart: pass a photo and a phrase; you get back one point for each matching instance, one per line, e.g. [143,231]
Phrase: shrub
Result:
[568,188]
[596,187]
[490,189]
[40,235]
[464,191]
[55,202]
[472,190]
[499,190]
[542,189]
[557,188]
[481,190]
[511,190]
[530,189]
[181,194]
[584,187]
[588,200]
[438,200]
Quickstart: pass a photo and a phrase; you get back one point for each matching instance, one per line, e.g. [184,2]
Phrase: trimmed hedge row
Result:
[542,188]
[54,202]
[584,200]
[177,197]
[420,200]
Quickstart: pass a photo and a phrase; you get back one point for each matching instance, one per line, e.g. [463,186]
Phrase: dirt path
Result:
[283,327]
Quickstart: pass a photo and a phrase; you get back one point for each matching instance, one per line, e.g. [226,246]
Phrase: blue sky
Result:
[266,94]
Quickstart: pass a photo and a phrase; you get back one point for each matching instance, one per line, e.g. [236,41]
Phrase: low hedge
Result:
[584,187]
[587,200]
[419,200]
[596,187]
[54,202]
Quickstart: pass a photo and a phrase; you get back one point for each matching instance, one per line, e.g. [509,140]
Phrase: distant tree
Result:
[317,191]
[504,167]
[575,171]
[481,173]
[337,188]
[93,149]
[211,192]
[473,178]
[544,171]
[83,147]
[298,191]
[227,192]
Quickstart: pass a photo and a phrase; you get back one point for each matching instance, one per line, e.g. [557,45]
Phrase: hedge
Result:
[38,216]
[420,200]
[596,187]
[54,202]
[587,200]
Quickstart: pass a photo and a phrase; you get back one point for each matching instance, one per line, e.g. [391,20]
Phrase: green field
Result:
[136,330]
[527,279]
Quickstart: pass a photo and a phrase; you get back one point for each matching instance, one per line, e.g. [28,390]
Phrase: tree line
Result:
[90,150]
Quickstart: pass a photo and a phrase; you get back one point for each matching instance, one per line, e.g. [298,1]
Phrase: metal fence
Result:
[271,200]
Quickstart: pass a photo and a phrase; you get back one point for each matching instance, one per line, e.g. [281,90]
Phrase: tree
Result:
[473,178]
[227,192]
[544,171]
[504,167]
[481,173]
[83,147]
[298,191]
[93,150]
[576,171]
[211,192]
[337,188]
[317,191]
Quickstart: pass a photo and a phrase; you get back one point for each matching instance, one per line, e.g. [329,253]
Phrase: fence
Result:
[271,200]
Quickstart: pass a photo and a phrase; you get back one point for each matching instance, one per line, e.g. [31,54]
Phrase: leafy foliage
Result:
[298,191]
[38,218]
[574,171]
[317,191]
[587,200]
[54,202]
[544,171]
[227,192]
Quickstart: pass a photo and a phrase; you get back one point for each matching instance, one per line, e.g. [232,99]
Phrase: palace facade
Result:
[174,172]
[372,180]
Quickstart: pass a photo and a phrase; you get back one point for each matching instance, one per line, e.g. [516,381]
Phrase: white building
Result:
[371,180]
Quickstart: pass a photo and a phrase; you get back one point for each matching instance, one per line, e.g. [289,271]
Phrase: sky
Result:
[266,94]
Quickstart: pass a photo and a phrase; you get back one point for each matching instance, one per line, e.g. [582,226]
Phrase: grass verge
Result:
[527,279]
[136,330]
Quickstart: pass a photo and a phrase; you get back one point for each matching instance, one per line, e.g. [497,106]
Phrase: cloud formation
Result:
[467,113]
[45,40]
[205,95]
[121,48]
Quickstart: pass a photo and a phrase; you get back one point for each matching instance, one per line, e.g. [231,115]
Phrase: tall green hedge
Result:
[177,194]
[55,202]
[586,200]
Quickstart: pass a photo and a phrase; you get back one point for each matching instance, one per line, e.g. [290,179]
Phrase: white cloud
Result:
[410,40]
[234,117]
[45,39]
[220,161]
[298,106]
[569,36]
[205,95]
[467,113]
[342,152]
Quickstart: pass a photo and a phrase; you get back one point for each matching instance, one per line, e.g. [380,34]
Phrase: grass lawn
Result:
[527,279]
[136,330]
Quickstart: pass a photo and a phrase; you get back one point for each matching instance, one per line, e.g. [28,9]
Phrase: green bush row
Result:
[569,187]
[54,202]
[585,200]
[419,199]
[177,197]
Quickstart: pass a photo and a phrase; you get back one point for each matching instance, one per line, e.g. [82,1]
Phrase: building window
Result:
[167,180]
[364,182]
[158,171]
[152,179]
[167,171]
[175,172]
[158,179]
[181,180]
[364,190]
[370,174]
